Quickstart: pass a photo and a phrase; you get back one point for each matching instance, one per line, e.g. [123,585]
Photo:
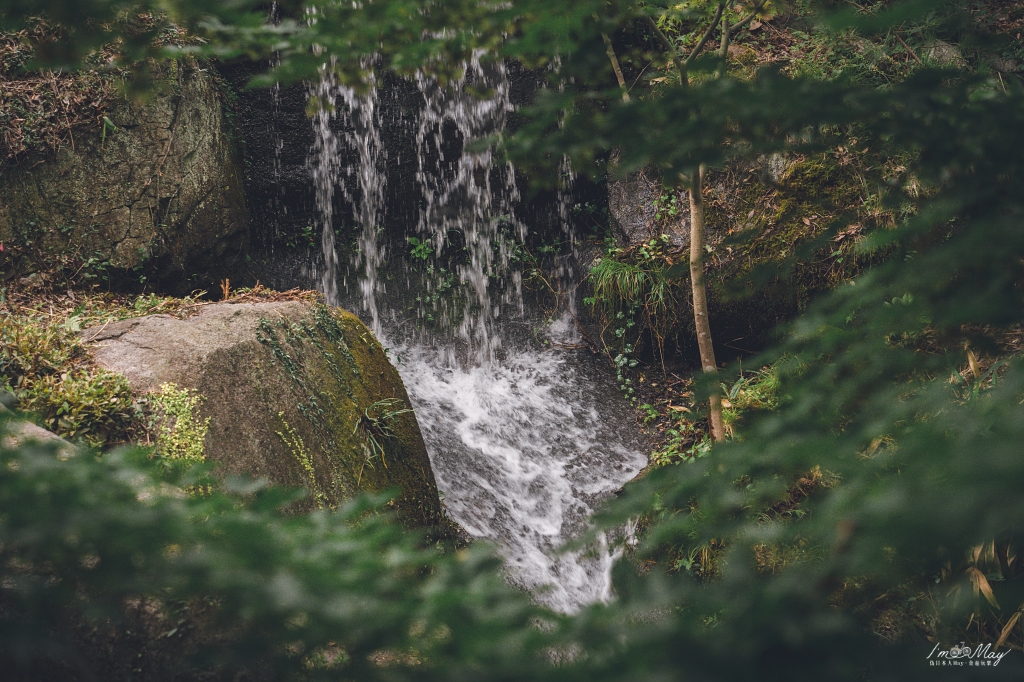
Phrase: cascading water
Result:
[524,451]
[362,134]
[469,194]
[525,440]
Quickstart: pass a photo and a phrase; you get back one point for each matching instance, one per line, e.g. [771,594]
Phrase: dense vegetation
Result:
[872,513]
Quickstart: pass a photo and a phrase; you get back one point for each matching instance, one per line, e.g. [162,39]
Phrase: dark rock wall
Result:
[278,137]
[157,202]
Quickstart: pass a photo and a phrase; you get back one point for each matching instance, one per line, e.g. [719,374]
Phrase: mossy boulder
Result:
[300,394]
[152,193]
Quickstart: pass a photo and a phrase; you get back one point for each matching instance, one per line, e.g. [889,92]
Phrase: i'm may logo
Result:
[964,655]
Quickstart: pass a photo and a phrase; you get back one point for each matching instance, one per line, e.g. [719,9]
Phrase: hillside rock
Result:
[759,213]
[159,199]
[294,394]
[632,206]
[19,432]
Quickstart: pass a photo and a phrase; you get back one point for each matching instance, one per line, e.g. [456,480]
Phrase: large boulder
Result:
[300,394]
[159,197]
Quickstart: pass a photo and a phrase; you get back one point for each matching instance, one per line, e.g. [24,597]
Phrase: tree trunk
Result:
[700,298]
[616,67]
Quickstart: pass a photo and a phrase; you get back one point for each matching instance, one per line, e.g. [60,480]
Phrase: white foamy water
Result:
[524,451]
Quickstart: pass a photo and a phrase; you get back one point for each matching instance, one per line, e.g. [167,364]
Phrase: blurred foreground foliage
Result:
[279,596]
[924,462]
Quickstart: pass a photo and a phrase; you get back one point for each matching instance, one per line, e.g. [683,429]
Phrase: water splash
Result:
[567,275]
[524,452]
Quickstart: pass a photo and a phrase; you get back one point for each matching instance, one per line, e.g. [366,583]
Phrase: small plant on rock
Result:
[180,429]
[377,425]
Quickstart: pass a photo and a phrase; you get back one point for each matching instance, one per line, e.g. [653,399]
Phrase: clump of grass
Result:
[634,277]
[44,363]
[633,289]
[89,405]
[756,391]
[686,437]
[377,425]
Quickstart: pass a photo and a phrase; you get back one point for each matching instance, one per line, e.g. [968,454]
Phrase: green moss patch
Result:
[351,428]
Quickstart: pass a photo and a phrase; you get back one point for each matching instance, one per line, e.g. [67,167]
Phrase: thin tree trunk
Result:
[723,52]
[696,184]
[616,67]
[700,298]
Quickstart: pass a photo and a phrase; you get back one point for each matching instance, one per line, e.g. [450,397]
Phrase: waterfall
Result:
[359,120]
[470,194]
[525,441]
[524,451]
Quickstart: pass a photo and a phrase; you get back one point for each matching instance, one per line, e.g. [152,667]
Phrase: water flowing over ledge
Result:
[526,440]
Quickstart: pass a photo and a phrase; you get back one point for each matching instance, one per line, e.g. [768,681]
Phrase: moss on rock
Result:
[153,192]
[760,215]
[293,393]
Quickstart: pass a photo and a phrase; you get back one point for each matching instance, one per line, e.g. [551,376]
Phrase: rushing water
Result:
[361,124]
[525,439]
[524,450]
[470,194]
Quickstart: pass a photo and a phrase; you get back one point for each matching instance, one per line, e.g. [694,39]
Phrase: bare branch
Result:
[729,31]
[707,34]
[746,20]
[616,66]
[911,51]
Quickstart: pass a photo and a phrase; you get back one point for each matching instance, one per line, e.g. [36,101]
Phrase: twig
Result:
[912,53]
[670,46]
[750,17]
[616,66]
[637,80]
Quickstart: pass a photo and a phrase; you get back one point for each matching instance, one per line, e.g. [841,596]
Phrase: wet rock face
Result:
[277,134]
[160,197]
[633,209]
[279,137]
[280,140]
[295,393]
